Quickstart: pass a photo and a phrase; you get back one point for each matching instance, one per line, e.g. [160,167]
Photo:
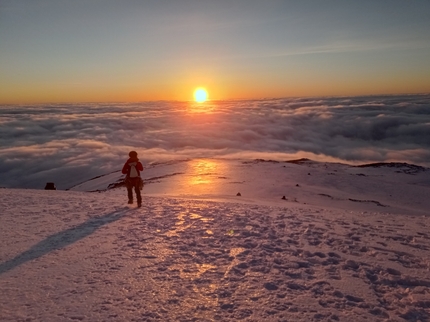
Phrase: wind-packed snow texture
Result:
[69,143]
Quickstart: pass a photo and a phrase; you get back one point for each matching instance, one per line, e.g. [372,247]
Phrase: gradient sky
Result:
[136,50]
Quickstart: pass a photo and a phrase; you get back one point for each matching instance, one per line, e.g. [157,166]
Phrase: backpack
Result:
[133,172]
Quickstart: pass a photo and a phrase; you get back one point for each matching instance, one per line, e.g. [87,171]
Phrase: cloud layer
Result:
[70,143]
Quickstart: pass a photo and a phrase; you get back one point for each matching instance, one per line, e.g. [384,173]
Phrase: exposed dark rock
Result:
[369,201]
[50,186]
[402,166]
[299,161]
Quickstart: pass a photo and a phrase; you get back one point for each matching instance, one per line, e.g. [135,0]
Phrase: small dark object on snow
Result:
[50,186]
[283,198]
[238,194]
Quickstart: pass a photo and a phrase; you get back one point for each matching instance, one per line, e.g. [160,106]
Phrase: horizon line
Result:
[215,100]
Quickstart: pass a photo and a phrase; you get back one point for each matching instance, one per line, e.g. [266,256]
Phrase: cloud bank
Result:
[70,143]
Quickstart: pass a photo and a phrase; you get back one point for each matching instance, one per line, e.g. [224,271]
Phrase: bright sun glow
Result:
[200,95]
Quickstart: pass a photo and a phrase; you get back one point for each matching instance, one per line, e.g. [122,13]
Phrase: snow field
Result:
[75,256]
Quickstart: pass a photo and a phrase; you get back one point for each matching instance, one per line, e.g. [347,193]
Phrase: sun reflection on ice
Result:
[205,176]
[202,169]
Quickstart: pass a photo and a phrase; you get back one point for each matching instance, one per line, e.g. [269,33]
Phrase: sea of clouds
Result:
[71,143]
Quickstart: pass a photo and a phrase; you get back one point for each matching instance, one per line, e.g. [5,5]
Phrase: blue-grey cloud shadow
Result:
[61,240]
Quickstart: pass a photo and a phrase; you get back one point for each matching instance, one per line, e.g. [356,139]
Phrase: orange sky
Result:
[79,52]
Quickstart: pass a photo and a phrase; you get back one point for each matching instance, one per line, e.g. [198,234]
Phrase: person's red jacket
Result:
[126,167]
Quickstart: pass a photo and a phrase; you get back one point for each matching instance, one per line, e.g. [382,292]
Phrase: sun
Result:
[200,95]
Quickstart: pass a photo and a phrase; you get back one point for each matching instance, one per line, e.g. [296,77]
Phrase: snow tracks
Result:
[82,257]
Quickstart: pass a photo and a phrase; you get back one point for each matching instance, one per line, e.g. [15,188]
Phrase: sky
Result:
[130,50]
[71,143]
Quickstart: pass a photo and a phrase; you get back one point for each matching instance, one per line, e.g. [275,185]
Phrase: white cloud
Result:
[71,143]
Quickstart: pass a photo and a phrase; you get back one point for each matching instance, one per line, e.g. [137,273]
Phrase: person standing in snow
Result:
[132,168]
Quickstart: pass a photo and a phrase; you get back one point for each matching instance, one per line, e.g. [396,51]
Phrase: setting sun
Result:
[200,95]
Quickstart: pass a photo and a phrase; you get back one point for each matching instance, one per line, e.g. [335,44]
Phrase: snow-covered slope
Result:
[347,244]
[382,187]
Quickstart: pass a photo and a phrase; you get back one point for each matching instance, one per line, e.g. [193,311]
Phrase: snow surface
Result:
[345,244]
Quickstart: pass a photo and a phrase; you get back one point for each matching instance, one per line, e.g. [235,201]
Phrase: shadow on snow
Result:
[61,240]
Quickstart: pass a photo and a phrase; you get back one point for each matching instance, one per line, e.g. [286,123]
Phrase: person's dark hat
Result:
[132,154]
